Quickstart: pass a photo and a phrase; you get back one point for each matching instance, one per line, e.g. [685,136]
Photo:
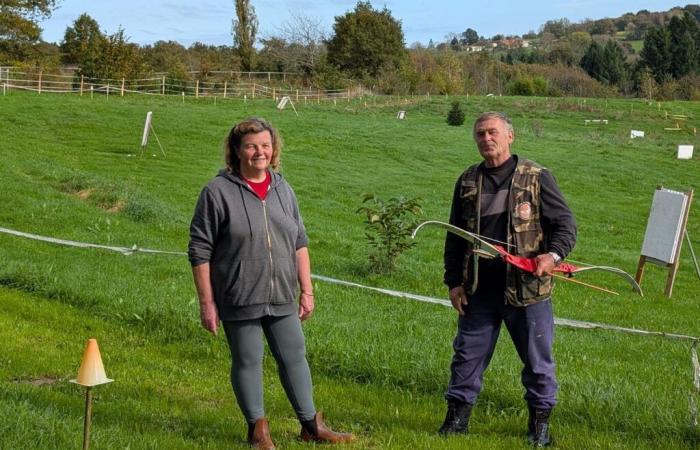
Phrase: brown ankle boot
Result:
[316,430]
[259,435]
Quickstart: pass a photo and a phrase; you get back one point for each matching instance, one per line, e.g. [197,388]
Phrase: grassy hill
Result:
[71,168]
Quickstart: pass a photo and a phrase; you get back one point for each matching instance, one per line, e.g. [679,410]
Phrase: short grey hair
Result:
[494,115]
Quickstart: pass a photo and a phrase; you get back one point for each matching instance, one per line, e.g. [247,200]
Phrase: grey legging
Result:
[286,341]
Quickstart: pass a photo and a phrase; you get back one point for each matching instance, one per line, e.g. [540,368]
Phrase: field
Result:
[71,169]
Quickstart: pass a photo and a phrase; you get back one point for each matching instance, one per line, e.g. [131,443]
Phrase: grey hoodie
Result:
[250,245]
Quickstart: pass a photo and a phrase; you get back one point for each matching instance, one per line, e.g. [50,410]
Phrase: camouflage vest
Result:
[525,234]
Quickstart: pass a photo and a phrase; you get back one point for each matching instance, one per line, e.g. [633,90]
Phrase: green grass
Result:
[71,169]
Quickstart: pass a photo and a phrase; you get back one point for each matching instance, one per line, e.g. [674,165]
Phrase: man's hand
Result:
[209,316]
[458,299]
[545,264]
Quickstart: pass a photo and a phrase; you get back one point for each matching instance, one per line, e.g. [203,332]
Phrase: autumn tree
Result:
[366,41]
[245,28]
[19,30]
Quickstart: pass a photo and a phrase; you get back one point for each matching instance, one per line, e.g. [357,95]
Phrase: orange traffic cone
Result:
[92,372]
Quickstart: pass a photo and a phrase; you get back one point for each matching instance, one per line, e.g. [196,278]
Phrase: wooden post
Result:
[196,90]
[82,80]
[92,91]
[88,415]
[273,94]
[225,86]
[162,86]
[40,74]
[107,90]
[183,97]
[253,90]
[297,95]
[268,77]
[674,267]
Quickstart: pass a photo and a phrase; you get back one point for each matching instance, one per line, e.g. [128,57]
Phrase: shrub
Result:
[455,117]
[388,228]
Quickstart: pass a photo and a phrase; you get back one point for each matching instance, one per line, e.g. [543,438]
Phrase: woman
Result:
[248,250]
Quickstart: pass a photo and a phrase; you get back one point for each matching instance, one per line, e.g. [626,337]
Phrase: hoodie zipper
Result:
[269,252]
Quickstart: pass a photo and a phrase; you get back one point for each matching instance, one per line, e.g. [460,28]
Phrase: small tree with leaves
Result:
[455,117]
[388,228]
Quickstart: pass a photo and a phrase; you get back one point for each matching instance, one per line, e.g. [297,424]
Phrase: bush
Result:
[455,117]
[388,228]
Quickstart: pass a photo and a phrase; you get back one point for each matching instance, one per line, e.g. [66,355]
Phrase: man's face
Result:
[493,141]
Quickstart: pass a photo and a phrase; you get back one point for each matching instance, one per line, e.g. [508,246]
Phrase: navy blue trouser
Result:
[531,329]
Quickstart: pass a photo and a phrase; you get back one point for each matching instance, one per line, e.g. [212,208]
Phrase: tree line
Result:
[591,58]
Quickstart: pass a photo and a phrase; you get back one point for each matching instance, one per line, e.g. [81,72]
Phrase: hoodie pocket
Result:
[250,284]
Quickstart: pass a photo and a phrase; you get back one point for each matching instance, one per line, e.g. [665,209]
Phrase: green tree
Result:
[366,40]
[120,59]
[245,28]
[455,117]
[19,30]
[656,54]
[593,61]
[683,52]
[614,64]
[83,44]
[470,36]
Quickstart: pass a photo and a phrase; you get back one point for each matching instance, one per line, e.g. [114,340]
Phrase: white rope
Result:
[123,250]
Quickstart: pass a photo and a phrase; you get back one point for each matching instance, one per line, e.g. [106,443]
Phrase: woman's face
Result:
[255,153]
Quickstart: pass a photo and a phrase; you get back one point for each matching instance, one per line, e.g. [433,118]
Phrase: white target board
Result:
[685,152]
[664,232]
[146,129]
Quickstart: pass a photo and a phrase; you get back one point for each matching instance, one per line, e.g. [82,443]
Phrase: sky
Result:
[209,21]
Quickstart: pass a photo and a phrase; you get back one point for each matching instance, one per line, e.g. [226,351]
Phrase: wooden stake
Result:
[88,415]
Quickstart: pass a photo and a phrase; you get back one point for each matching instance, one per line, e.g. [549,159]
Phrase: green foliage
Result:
[366,39]
[19,29]
[455,117]
[83,44]
[684,54]
[528,86]
[245,28]
[388,228]
[606,64]
[656,54]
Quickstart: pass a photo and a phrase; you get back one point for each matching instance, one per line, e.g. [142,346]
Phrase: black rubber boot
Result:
[538,427]
[457,418]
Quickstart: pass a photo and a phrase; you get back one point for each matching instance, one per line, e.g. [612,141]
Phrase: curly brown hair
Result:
[252,125]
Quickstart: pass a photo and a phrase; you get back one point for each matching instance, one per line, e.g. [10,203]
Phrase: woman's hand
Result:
[209,316]
[306,305]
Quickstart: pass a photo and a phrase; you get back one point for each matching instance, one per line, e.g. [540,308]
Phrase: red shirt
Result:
[260,188]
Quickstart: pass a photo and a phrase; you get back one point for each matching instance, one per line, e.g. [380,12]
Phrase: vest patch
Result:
[524,211]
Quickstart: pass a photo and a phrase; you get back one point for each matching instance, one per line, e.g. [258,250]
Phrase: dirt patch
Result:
[39,381]
[84,194]
[115,208]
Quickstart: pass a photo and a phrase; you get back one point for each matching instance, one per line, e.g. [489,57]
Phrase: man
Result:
[514,202]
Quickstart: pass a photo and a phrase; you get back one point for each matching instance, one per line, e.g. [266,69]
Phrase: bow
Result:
[486,249]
